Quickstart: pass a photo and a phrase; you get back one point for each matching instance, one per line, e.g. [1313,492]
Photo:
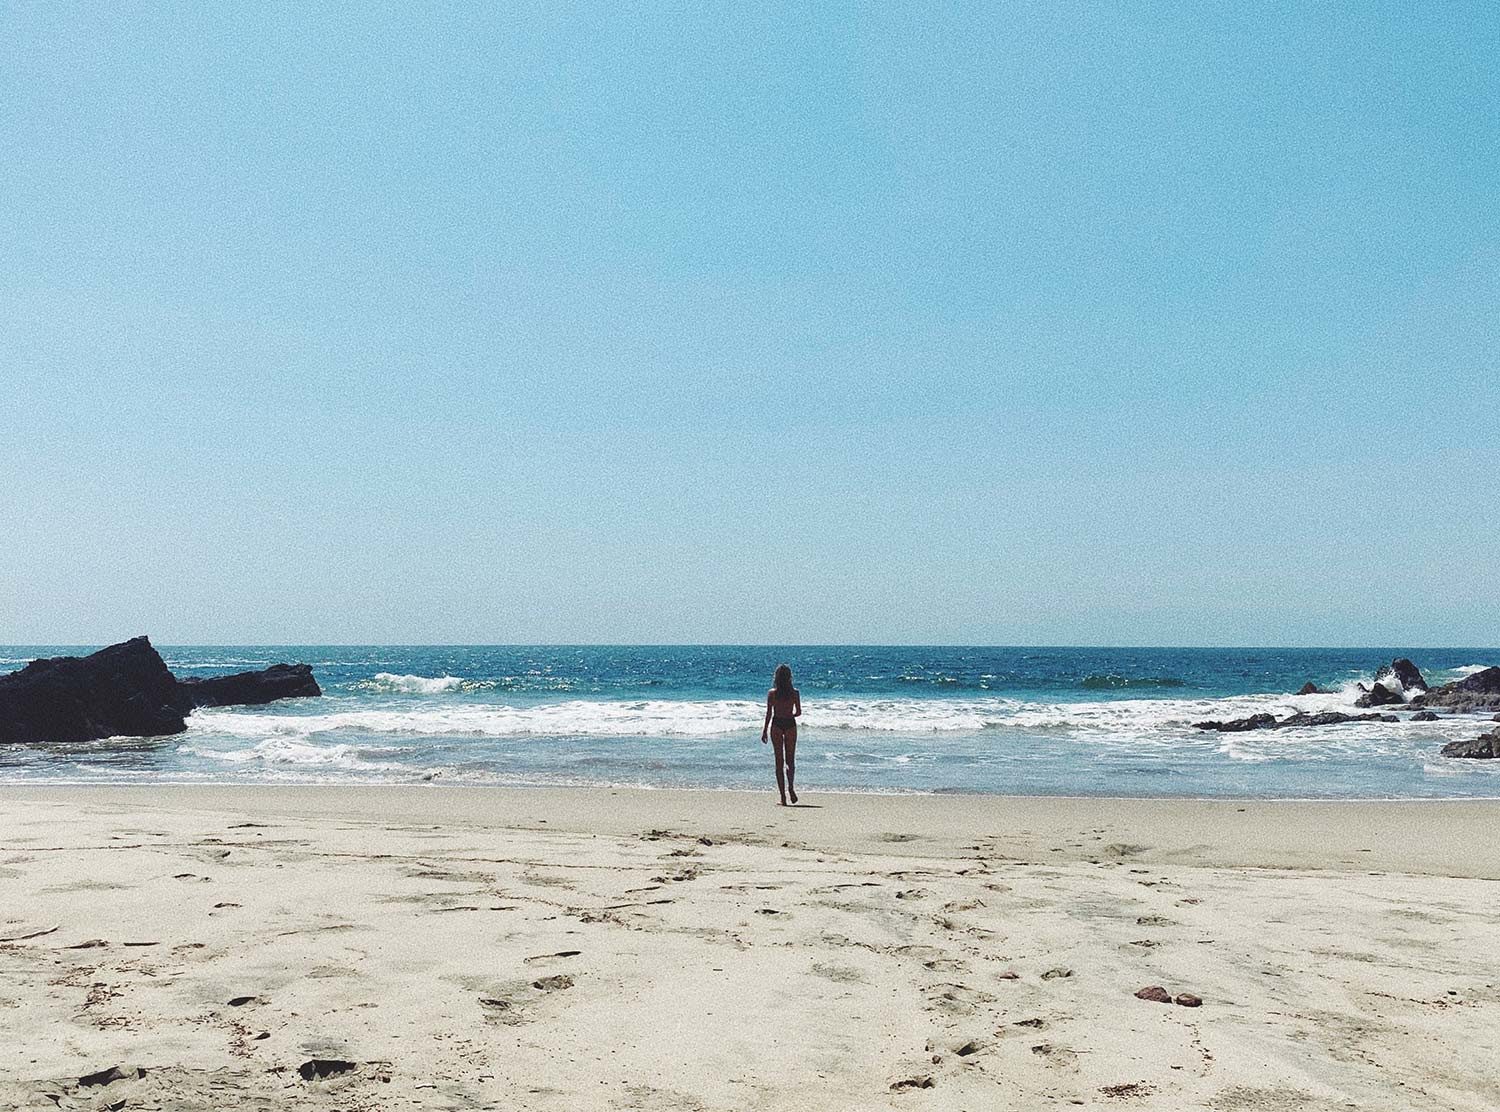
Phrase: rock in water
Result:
[279,681]
[1301,718]
[1330,718]
[1239,725]
[125,689]
[1484,747]
[1310,688]
[1481,691]
[1379,695]
[1406,674]
[1424,716]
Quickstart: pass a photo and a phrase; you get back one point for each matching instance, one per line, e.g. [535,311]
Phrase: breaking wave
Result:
[422,685]
[1144,718]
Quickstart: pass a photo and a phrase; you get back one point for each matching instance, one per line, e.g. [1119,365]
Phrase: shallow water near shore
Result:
[1035,721]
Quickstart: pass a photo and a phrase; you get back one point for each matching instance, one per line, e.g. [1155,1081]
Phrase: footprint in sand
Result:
[963,905]
[906,1083]
[1056,1055]
[946,965]
[843,974]
[501,1010]
[955,999]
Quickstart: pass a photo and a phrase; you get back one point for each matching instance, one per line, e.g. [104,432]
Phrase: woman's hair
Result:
[783,680]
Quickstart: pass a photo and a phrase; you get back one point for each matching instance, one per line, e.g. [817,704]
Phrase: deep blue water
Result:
[1008,720]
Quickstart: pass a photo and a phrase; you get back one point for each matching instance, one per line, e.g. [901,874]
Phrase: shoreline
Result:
[1417,836]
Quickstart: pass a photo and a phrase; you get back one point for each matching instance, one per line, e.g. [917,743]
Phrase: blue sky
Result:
[1055,323]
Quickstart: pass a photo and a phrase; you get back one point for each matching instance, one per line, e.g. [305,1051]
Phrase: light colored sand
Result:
[806,959]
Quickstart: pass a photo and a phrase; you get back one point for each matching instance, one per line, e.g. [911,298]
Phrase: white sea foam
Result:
[1146,722]
[419,685]
[1469,669]
[300,753]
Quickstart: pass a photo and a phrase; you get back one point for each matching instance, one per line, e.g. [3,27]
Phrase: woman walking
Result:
[783,705]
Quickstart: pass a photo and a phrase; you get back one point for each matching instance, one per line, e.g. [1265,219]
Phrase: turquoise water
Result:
[1007,720]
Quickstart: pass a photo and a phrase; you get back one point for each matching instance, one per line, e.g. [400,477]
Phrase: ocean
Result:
[1031,721]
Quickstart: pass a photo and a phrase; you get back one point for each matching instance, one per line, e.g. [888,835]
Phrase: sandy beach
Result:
[392,948]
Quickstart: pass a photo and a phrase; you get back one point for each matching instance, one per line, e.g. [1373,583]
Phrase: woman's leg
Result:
[776,744]
[789,747]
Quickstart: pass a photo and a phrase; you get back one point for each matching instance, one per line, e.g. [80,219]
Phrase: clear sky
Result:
[1044,323]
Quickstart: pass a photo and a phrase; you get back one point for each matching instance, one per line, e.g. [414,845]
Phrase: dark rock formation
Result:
[1379,695]
[1238,725]
[1481,691]
[279,681]
[1310,688]
[125,689]
[114,1073]
[1189,1000]
[319,1068]
[1331,718]
[1154,993]
[1483,747]
[1425,716]
[1291,721]
[1406,673]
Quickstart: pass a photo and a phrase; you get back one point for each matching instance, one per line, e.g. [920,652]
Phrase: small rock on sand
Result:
[109,1076]
[319,1068]
[1154,993]
[1188,1000]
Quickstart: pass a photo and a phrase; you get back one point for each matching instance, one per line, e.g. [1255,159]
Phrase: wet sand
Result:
[425,947]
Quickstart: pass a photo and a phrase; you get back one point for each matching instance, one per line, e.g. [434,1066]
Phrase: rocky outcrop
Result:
[1407,674]
[125,689]
[1425,716]
[279,681]
[1483,747]
[1310,688]
[1379,695]
[1481,691]
[1291,721]
[1239,725]
[1395,682]
[1331,718]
